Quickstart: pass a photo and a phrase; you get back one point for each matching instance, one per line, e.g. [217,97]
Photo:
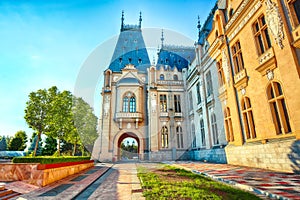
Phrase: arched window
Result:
[220,73]
[193,136]
[248,120]
[161,77]
[132,105]
[125,104]
[175,77]
[278,108]
[228,125]
[230,13]
[179,137]
[214,128]
[129,103]
[202,130]
[164,137]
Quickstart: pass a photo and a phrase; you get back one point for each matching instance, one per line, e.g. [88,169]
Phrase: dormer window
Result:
[175,77]
[161,77]
[129,59]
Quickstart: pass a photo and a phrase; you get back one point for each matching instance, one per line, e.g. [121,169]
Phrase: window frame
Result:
[263,44]
[248,119]
[237,57]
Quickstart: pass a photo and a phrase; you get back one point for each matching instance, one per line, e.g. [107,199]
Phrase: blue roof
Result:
[175,56]
[207,26]
[130,49]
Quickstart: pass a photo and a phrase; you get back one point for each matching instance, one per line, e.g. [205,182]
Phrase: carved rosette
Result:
[225,66]
[274,22]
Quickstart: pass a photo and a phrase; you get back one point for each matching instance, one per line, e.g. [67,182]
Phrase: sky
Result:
[49,42]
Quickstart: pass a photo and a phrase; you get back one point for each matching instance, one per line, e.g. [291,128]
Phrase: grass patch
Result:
[168,182]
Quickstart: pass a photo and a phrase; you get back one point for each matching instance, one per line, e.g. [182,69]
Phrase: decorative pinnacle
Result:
[199,27]
[122,20]
[140,20]
[162,38]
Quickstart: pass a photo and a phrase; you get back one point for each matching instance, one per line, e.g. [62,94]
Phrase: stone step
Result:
[7,194]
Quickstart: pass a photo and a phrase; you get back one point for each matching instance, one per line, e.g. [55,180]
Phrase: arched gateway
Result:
[137,104]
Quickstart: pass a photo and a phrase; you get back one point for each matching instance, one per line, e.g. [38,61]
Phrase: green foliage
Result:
[62,116]
[31,149]
[3,144]
[174,183]
[18,142]
[50,159]
[50,146]
[129,151]
[85,122]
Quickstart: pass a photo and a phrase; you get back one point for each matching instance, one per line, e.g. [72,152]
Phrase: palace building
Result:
[232,98]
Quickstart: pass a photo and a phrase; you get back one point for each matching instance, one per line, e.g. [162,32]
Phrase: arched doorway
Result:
[128,147]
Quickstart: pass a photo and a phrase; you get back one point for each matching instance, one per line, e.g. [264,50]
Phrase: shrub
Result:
[49,159]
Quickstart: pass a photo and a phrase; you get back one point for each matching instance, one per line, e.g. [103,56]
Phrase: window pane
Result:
[286,116]
[267,38]
[277,120]
[261,45]
[297,9]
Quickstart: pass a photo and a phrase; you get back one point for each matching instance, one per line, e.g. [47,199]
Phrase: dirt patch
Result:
[170,175]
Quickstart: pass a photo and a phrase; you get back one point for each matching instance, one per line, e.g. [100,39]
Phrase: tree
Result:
[61,123]
[85,122]
[50,146]
[37,112]
[32,148]
[3,144]
[18,142]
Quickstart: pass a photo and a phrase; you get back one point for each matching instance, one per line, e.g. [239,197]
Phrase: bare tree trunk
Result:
[74,149]
[58,147]
[37,143]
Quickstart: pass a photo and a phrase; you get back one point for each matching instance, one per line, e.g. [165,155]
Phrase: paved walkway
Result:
[272,184]
[117,181]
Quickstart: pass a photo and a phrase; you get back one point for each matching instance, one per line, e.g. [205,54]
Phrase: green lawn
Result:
[166,182]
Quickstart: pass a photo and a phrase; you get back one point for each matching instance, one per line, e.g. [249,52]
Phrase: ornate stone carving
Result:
[270,75]
[153,102]
[106,105]
[274,22]
[225,66]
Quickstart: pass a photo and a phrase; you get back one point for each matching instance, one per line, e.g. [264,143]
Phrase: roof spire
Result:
[199,27]
[122,21]
[140,20]
[162,38]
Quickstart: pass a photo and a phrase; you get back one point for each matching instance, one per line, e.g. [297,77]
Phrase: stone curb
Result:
[238,185]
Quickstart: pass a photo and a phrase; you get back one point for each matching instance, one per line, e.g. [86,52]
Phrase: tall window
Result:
[177,104]
[237,57]
[132,105]
[214,128]
[164,137]
[261,35]
[202,130]
[125,104]
[179,137]
[209,86]
[220,73]
[198,93]
[228,125]
[129,103]
[278,108]
[193,136]
[161,77]
[163,103]
[190,100]
[248,119]
[294,7]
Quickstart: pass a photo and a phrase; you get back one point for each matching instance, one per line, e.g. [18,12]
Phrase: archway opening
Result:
[128,147]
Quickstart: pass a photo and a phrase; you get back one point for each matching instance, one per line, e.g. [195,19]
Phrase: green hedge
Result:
[49,159]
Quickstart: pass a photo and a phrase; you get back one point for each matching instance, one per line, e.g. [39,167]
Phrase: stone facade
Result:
[259,75]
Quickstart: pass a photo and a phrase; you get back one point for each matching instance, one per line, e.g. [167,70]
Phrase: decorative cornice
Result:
[236,14]
[245,20]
